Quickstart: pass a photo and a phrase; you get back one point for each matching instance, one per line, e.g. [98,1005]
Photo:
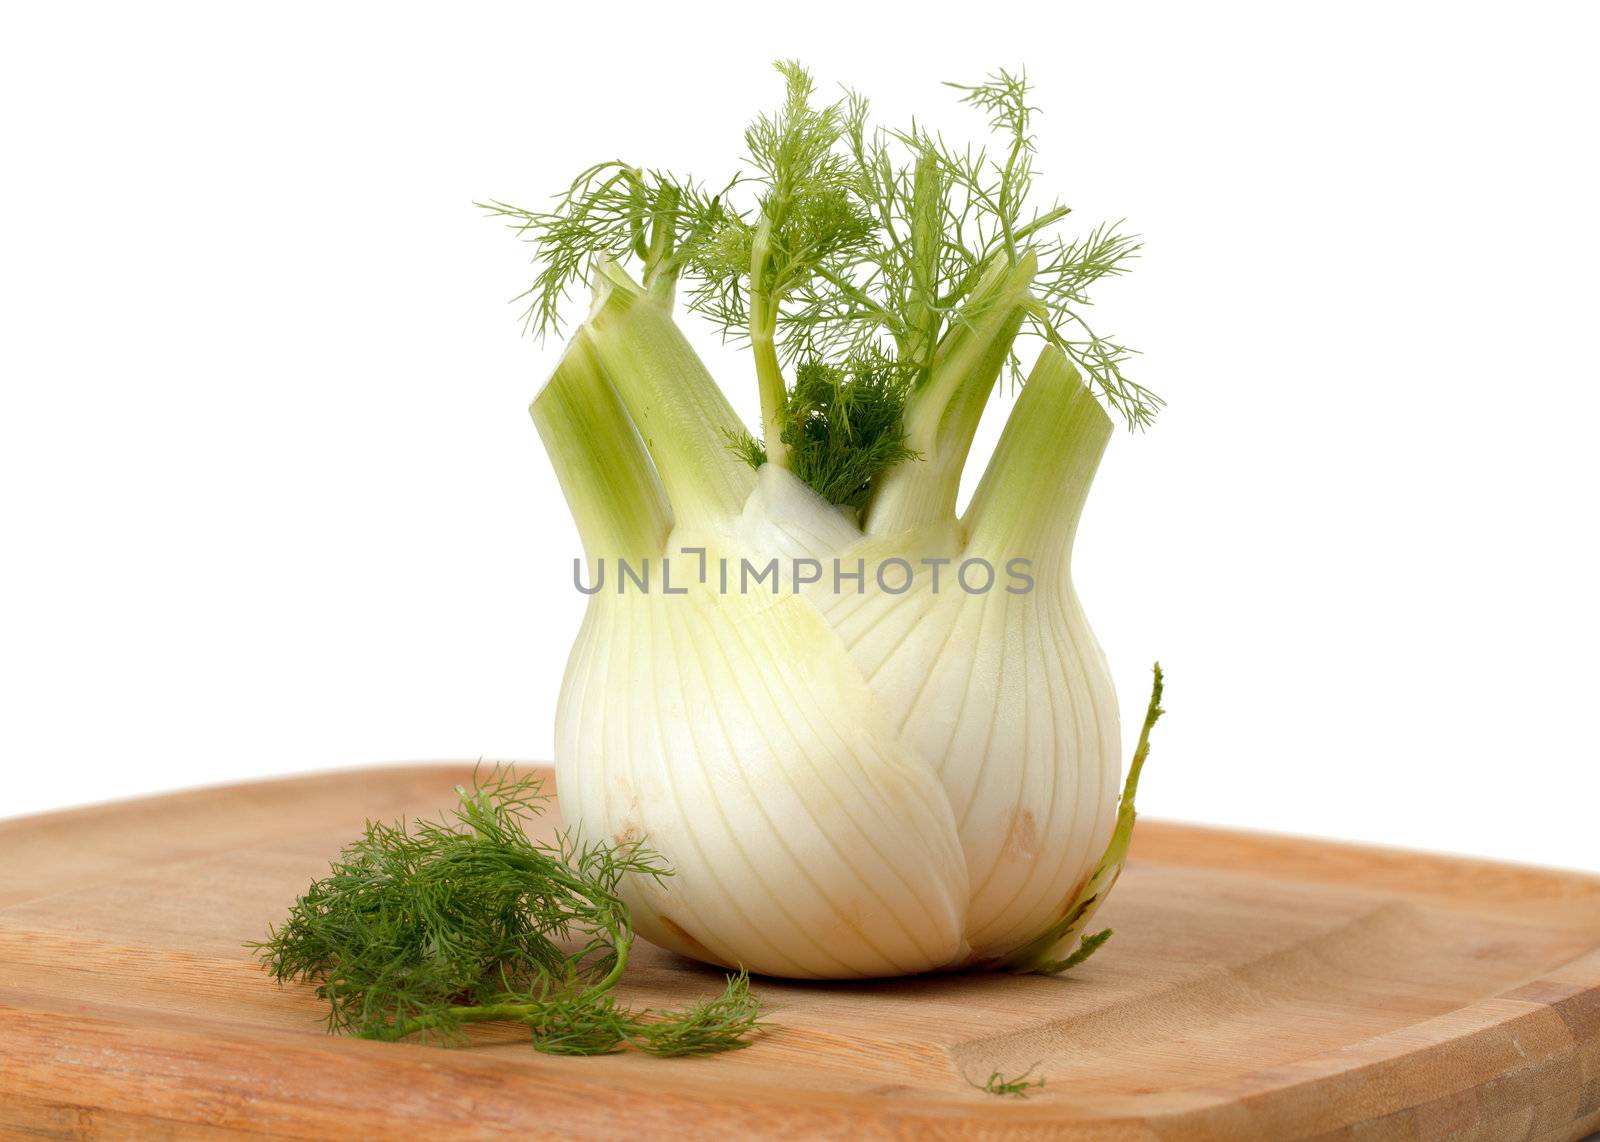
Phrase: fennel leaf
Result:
[843,241]
[423,927]
[843,426]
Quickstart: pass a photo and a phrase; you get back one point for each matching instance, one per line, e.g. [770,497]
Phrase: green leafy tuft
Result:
[844,426]
[612,211]
[422,928]
[851,237]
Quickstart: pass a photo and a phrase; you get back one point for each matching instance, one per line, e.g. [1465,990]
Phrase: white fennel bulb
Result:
[869,736]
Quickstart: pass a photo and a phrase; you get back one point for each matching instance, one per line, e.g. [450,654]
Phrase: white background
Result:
[270,500]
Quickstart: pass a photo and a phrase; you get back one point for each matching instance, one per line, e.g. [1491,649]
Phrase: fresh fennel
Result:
[848,782]
[423,929]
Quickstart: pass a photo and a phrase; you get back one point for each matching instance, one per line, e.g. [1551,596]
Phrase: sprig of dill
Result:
[1018,1087]
[873,233]
[843,426]
[845,242]
[616,211]
[421,928]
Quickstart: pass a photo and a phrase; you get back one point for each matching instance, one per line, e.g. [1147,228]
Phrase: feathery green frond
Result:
[421,928]
[851,238]
[843,425]
[611,211]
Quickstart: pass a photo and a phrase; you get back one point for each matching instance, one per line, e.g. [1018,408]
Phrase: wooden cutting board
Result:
[1257,987]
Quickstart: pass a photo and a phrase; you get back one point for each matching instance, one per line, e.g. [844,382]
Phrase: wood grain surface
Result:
[1257,987]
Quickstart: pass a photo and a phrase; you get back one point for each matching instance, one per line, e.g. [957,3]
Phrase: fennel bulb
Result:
[851,773]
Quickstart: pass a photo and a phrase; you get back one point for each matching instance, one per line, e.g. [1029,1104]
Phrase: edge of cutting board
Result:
[1522,1063]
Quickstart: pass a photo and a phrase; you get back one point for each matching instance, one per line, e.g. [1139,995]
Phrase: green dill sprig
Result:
[985,217]
[618,212]
[858,235]
[843,241]
[421,928]
[1019,1087]
[843,426]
